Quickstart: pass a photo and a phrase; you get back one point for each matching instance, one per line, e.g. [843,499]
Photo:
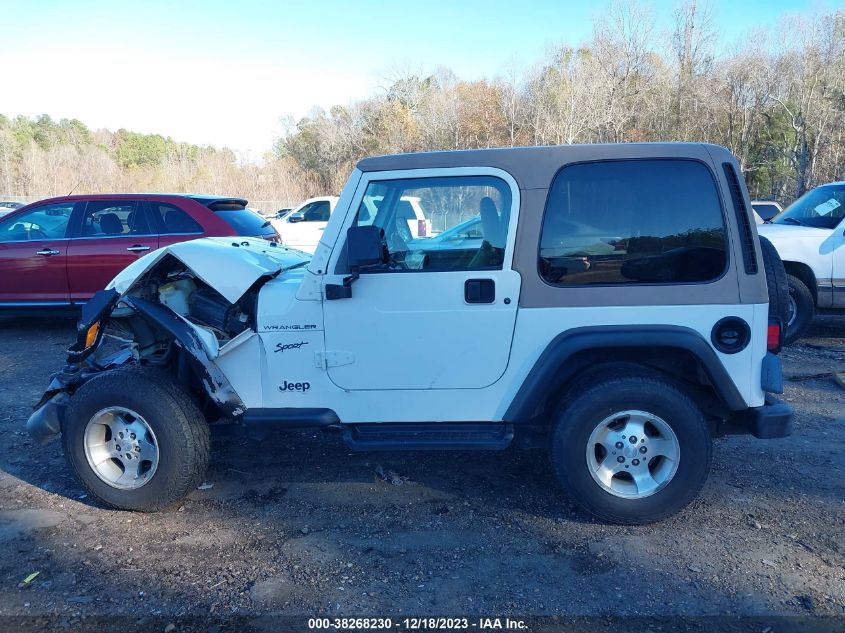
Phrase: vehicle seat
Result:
[491,253]
[137,223]
[491,223]
[111,224]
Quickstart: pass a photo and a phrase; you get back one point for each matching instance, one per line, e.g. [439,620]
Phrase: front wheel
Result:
[801,311]
[631,450]
[135,439]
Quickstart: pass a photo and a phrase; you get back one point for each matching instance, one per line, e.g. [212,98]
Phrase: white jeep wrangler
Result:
[616,312]
[809,236]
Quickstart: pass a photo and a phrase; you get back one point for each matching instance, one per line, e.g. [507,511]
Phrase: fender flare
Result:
[550,367]
[216,385]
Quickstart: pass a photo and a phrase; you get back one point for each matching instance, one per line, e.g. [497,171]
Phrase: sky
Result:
[224,73]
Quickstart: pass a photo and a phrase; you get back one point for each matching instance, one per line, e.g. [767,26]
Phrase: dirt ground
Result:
[299,525]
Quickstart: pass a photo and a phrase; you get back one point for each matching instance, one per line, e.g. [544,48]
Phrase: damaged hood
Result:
[230,265]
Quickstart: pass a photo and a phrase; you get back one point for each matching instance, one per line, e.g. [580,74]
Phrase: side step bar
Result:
[260,423]
[432,436]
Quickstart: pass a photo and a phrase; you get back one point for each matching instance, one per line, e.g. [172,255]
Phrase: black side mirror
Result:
[364,248]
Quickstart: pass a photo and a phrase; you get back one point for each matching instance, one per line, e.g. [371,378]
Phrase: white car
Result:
[303,227]
[810,239]
[7,207]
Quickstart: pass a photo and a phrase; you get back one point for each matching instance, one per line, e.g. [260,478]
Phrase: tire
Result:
[177,431]
[804,310]
[579,417]
[776,281]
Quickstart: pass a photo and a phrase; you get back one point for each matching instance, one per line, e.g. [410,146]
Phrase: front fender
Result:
[216,385]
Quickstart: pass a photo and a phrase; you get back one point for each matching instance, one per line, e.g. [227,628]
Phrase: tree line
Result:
[776,99]
[41,157]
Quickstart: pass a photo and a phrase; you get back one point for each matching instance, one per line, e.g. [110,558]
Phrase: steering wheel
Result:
[37,234]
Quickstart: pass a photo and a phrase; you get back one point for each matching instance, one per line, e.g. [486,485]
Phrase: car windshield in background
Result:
[765,210]
[823,207]
[247,222]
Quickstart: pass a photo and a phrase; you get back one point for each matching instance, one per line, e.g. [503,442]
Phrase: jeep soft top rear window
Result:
[633,221]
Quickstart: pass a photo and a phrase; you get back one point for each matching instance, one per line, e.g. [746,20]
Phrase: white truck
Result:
[303,227]
[615,311]
[810,238]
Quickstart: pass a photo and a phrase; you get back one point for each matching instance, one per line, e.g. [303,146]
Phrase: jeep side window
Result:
[446,202]
[633,222]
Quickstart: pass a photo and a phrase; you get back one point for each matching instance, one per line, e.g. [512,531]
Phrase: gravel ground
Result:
[299,525]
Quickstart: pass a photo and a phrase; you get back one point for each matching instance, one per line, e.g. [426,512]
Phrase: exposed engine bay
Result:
[162,311]
[172,284]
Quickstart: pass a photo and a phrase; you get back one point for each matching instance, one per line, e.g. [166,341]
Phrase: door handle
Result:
[138,248]
[479,291]
[47,252]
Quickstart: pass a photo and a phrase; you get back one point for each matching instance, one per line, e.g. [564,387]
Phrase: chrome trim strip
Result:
[36,304]
[101,237]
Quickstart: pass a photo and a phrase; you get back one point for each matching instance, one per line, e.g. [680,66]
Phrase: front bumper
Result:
[772,420]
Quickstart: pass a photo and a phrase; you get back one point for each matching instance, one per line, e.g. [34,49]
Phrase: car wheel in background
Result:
[801,310]
[775,282]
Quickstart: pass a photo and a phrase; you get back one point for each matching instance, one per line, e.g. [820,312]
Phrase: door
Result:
[111,235]
[838,277]
[173,224]
[304,229]
[33,255]
[437,314]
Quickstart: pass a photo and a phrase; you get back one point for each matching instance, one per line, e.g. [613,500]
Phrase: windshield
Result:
[823,207]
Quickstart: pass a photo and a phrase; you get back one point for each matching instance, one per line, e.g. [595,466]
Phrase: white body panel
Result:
[823,250]
[296,329]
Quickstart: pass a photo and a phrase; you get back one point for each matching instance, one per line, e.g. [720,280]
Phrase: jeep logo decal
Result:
[301,387]
[281,347]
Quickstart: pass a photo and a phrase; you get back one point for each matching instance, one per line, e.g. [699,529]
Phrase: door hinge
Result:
[324,360]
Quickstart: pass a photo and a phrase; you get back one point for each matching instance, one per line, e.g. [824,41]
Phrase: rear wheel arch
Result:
[676,353]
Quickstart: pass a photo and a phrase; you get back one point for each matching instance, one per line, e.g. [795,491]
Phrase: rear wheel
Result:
[801,310]
[135,439]
[631,450]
